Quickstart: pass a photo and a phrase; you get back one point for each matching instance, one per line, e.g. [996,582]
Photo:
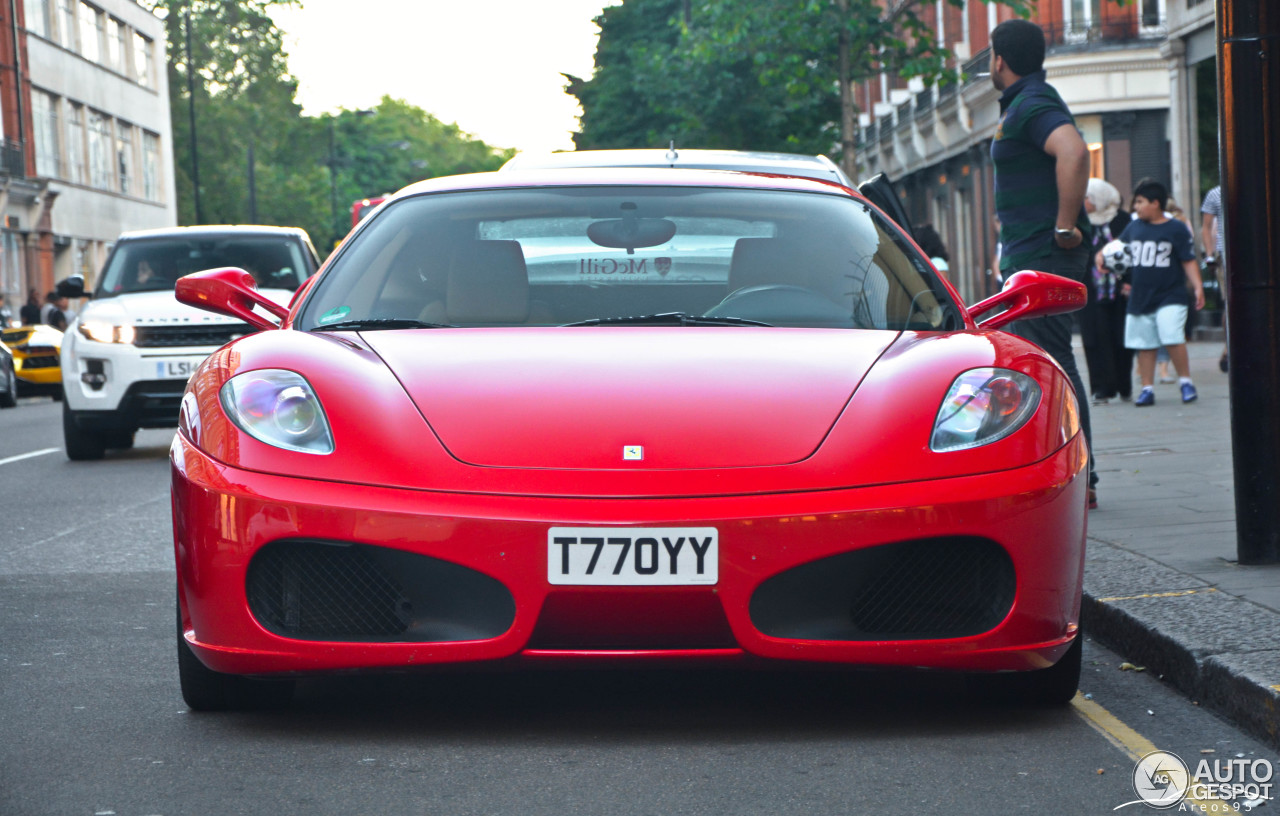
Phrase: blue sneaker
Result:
[1148,397]
[1189,392]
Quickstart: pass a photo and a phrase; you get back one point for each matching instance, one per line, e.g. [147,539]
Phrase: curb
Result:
[1214,647]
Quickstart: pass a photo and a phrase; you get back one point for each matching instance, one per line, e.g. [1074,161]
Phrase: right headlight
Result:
[279,408]
[982,406]
[103,332]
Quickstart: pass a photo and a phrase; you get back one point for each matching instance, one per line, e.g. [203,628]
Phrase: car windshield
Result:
[618,256]
[155,264]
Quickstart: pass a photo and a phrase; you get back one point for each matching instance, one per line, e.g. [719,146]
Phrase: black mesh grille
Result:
[914,590]
[41,362]
[320,590]
[199,335]
[312,590]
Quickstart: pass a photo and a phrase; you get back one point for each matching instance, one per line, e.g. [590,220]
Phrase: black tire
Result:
[9,398]
[81,445]
[1054,686]
[57,394]
[204,689]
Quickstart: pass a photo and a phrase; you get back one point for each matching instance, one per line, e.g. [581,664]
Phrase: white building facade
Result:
[99,126]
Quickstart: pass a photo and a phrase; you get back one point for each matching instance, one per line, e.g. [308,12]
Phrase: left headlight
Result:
[103,332]
[982,406]
[279,408]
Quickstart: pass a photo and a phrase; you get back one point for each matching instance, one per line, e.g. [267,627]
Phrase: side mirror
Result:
[1031,294]
[70,287]
[232,292]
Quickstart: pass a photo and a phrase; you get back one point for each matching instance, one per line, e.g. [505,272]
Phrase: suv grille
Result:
[199,335]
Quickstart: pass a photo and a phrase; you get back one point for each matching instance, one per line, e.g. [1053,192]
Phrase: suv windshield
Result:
[155,264]
[587,255]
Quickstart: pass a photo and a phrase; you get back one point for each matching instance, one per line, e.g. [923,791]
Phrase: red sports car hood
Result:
[591,397]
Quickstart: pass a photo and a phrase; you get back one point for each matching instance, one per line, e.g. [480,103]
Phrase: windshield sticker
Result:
[335,314]
[627,266]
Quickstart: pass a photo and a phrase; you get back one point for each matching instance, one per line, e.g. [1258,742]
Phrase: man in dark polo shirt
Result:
[1042,170]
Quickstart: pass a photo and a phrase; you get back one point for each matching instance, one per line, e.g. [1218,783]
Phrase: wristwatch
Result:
[1064,232]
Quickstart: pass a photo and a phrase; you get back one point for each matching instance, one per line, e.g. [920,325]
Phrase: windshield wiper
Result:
[672,318]
[375,323]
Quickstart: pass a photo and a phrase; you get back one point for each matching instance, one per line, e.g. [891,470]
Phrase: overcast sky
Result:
[491,66]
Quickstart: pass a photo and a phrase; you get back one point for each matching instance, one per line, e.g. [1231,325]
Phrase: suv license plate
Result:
[177,369]
[633,556]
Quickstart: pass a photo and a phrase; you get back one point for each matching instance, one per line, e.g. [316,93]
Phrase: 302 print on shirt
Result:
[1158,254]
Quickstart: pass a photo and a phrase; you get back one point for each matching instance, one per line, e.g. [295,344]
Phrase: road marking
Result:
[31,455]
[1179,594]
[1131,742]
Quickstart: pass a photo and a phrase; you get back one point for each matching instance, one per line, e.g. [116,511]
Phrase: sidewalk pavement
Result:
[1161,582]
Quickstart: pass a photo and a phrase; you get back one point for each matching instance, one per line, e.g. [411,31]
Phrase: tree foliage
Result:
[305,171]
[748,74]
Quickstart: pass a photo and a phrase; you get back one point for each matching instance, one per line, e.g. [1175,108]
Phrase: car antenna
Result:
[672,155]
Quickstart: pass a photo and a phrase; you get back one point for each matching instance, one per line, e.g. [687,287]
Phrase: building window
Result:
[124,157]
[144,66]
[100,150]
[115,44]
[150,166]
[75,144]
[1079,18]
[1151,16]
[90,33]
[44,121]
[38,21]
[68,24]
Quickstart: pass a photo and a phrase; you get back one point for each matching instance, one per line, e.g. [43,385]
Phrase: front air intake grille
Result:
[43,361]
[197,335]
[312,590]
[913,590]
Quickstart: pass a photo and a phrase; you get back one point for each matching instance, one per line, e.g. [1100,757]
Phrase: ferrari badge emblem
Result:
[633,453]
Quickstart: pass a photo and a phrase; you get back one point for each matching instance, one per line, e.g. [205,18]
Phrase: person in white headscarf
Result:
[1101,321]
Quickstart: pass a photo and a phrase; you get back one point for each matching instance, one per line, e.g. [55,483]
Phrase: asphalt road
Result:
[91,720]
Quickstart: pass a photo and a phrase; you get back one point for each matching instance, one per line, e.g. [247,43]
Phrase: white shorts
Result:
[1167,326]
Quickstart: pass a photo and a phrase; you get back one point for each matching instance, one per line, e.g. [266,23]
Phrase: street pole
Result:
[191,98]
[253,186]
[333,181]
[1249,85]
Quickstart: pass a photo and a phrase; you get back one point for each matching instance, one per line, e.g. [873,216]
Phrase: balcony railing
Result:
[1142,27]
[12,162]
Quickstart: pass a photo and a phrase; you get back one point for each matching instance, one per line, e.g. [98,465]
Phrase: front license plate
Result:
[633,556]
[177,369]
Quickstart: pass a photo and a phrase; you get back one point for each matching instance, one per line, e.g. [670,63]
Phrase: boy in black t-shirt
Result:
[1163,264]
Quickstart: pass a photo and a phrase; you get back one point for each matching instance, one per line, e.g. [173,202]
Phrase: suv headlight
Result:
[983,406]
[279,408]
[102,332]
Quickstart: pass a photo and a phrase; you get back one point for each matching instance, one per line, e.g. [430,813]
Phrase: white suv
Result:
[127,356]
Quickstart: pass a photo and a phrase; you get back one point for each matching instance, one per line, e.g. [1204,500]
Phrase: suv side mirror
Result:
[230,291]
[1031,294]
[71,287]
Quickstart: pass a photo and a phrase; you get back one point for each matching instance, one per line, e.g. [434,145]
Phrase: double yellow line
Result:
[1135,745]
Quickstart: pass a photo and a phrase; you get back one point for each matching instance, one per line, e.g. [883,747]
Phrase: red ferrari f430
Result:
[634,416]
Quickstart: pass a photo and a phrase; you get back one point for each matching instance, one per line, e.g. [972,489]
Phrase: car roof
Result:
[618,176]
[213,231]
[788,164]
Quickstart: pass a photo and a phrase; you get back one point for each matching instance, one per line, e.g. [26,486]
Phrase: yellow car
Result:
[35,359]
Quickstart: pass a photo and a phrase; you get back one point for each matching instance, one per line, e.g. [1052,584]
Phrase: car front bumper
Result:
[225,519]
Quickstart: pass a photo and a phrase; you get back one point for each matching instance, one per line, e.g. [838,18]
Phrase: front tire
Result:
[81,445]
[204,689]
[1054,686]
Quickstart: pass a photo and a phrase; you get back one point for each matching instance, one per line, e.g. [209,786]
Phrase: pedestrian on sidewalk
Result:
[1109,362]
[1041,169]
[1163,269]
[1215,254]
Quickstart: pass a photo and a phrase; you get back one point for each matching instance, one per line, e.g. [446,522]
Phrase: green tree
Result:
[755,74]
[258,158]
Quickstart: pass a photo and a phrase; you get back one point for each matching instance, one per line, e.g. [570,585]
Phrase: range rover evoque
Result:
[128,354]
